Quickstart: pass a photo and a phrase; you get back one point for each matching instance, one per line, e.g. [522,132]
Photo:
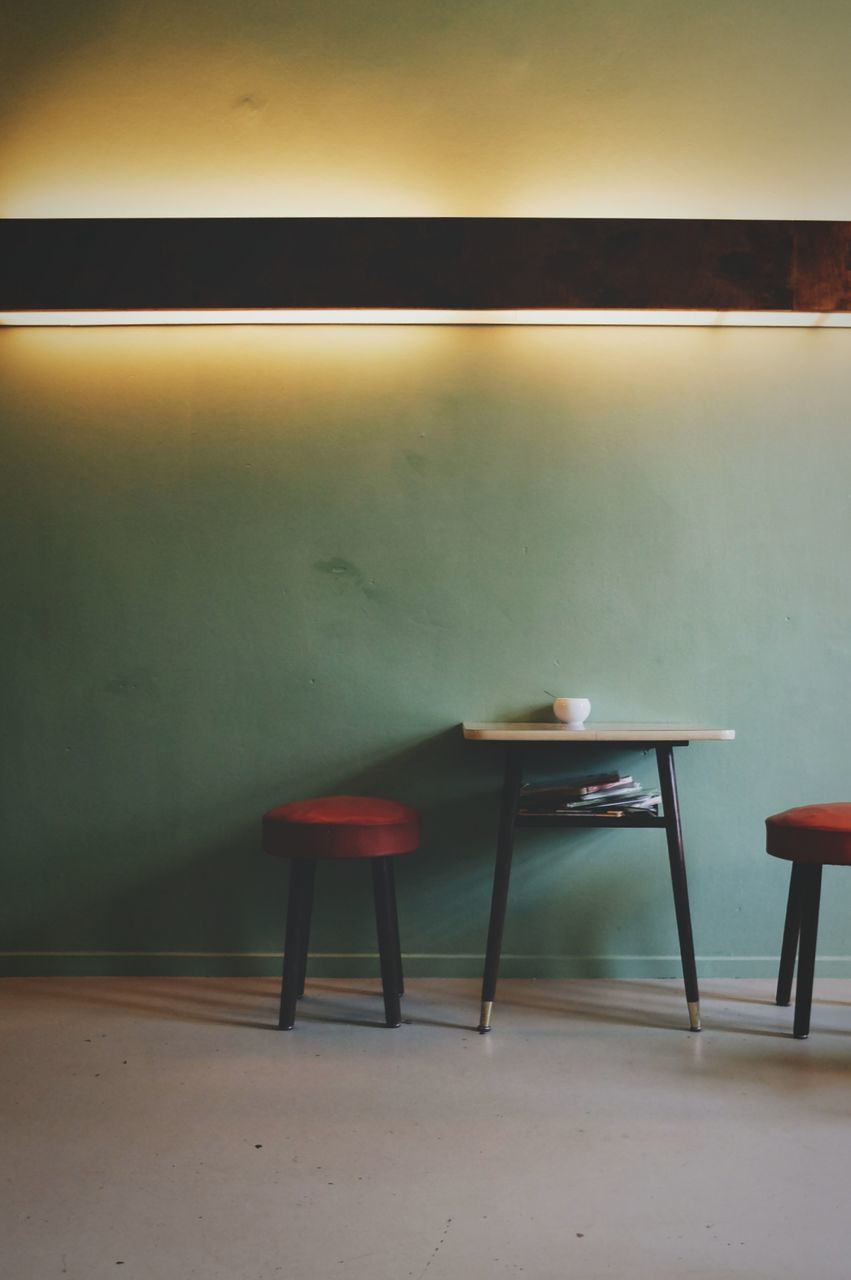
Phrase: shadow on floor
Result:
[450,1004]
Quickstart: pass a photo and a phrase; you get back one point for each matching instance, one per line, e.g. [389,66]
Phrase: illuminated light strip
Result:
[635,318]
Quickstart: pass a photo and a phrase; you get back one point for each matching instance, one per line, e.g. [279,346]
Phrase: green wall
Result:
[246,565]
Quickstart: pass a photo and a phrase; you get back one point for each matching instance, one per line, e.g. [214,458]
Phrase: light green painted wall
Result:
[241,566]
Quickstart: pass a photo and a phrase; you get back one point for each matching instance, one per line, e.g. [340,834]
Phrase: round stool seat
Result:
[817,833]
[340,827]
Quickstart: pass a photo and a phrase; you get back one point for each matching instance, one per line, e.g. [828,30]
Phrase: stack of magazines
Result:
[602,795]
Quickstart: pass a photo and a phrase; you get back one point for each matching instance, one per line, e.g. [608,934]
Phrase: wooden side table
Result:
[519,739]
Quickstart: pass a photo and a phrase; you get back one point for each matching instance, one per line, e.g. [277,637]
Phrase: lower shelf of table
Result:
[586,820]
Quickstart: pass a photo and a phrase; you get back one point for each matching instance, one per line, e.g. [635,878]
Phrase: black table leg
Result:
[382,884]
[676,858]
[391,871]
[502,873]
[810,882]
[791,932]
[309,878]
[295,941]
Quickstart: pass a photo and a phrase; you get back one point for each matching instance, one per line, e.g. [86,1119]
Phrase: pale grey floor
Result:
[157,1128]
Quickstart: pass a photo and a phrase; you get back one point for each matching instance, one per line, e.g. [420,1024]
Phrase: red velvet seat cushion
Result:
[340,827]
[813,833]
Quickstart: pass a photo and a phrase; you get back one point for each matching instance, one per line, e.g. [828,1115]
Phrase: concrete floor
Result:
[161,1126]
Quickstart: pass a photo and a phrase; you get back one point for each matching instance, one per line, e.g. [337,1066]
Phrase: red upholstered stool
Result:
[337,827]
[811,837]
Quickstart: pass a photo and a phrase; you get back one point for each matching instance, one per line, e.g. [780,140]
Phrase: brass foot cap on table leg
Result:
[485,1016]
[694,1014]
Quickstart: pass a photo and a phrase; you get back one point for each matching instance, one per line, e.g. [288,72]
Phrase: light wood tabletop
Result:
[551,731]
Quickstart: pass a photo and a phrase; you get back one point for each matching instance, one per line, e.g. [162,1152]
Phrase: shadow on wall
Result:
[444,889]
[216,904]
[212,890]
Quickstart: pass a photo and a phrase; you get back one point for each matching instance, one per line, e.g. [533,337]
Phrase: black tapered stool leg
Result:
[512,779]
[391,870]
[676,858]
[791,931]
[310,877]
[810,879]
[382,885]
[294,943]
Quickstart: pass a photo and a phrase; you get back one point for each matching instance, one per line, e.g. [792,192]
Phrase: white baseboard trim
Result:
[339,964]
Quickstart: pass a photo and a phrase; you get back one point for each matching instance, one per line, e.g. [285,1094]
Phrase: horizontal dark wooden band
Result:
[129,264]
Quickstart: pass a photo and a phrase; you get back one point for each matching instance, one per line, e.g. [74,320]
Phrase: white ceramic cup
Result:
[573,711]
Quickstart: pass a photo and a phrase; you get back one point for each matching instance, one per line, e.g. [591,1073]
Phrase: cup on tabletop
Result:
[572,711]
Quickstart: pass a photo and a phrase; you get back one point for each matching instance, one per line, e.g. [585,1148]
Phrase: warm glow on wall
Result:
[184,134]
[151,189]
[173,374]
[388,109]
